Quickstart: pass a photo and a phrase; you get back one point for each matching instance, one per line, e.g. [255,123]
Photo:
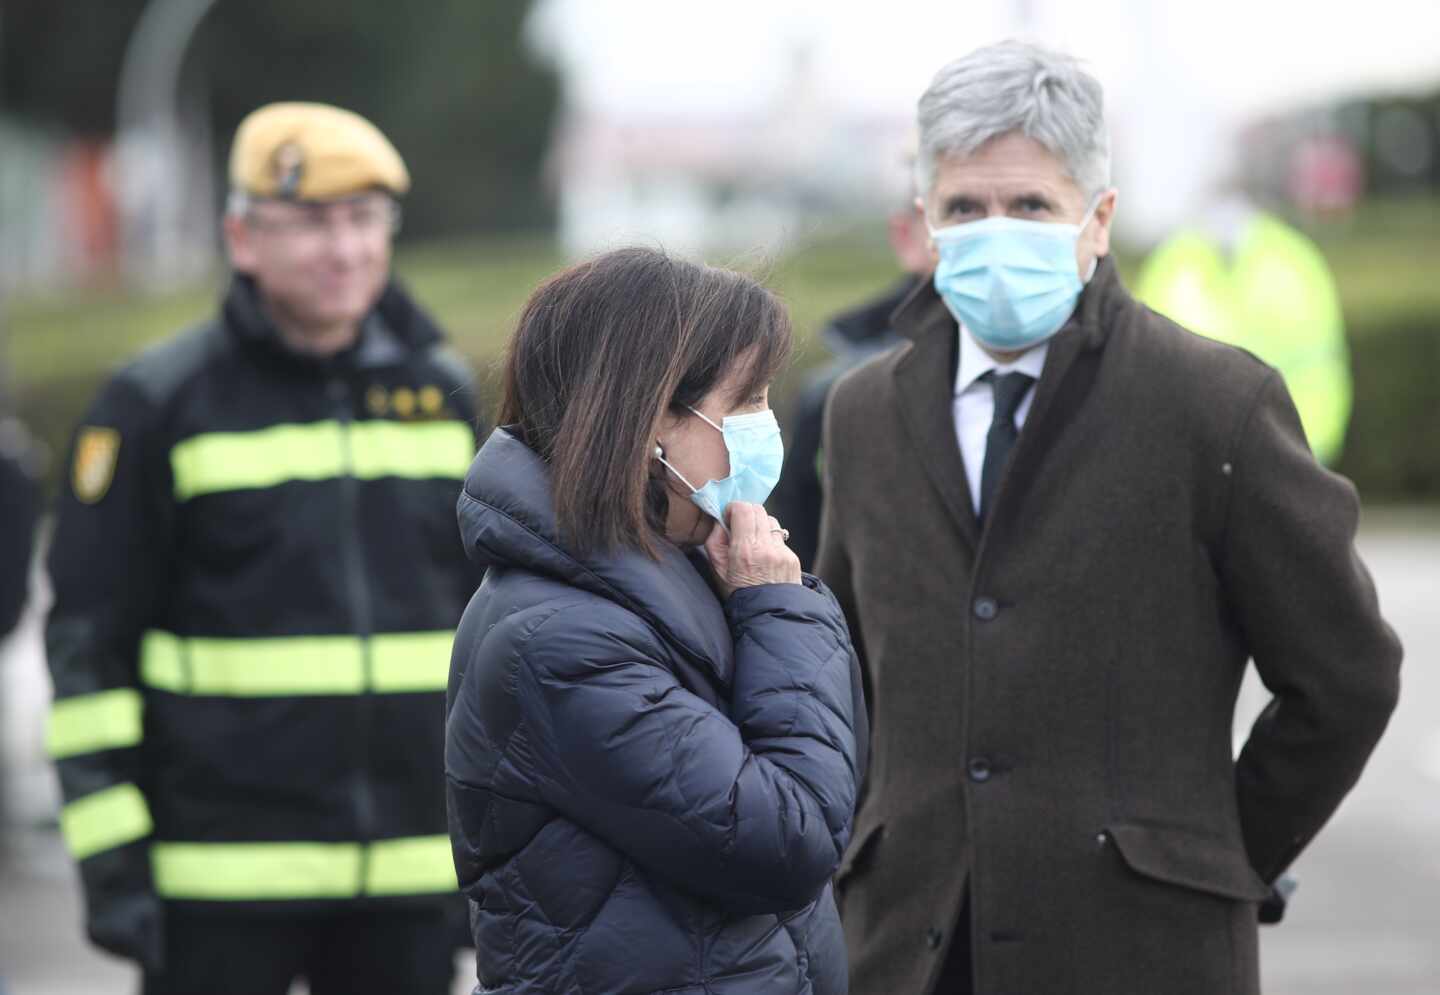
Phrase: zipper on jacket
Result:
[357,587]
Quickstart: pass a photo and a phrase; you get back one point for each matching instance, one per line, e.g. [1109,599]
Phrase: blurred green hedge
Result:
[1392,449]
[61,350]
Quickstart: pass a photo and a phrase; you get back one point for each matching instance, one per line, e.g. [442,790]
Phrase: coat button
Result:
[933,937]
[979,769]
[986,609]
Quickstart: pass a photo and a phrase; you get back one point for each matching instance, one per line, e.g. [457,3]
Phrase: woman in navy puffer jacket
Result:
[655,724]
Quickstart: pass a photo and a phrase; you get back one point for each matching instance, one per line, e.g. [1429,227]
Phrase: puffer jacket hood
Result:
[508,518]
[648,790]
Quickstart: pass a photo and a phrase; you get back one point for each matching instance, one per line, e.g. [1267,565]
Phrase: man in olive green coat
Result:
[1060,526]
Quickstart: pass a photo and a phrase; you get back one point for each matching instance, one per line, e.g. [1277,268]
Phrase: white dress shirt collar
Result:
[975,362]
[974,402]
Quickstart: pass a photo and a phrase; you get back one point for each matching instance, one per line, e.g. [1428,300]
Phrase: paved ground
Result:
[1365,922]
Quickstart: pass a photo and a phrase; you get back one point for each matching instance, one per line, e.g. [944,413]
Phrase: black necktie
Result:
[1009,389]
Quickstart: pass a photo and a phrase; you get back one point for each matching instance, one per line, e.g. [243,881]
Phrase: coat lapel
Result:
[1070,368]
[925,388]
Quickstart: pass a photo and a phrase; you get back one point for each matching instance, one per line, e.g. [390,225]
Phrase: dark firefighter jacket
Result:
[257,579]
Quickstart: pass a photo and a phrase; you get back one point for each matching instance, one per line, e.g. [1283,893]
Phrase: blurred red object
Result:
[1327,176]
[87,196]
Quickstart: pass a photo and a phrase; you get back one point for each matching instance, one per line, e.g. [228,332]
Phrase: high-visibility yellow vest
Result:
[1274,296]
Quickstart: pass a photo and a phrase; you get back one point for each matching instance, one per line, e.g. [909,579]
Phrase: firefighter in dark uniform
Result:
[257,575]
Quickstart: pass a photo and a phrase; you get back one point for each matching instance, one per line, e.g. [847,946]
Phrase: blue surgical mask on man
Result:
[1012,283]
[757,453]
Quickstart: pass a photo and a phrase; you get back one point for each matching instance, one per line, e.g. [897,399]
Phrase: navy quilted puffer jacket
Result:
[649,791]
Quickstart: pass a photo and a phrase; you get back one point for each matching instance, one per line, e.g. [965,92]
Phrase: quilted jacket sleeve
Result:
[750,811]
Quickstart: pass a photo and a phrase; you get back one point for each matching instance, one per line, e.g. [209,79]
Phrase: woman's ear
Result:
[666,425]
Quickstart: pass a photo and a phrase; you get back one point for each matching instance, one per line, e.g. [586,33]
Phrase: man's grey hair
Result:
[1015,86]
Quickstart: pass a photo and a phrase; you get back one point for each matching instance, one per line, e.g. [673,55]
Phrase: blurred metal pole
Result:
[149,151]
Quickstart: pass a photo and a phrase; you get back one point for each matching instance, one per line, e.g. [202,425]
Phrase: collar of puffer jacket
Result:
[507,518]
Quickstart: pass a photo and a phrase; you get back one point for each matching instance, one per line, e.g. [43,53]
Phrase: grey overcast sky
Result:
[1242,56]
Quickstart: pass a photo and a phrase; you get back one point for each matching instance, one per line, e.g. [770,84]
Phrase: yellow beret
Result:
[305,151]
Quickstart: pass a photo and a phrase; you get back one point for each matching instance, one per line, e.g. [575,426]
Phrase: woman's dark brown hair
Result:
[602,351]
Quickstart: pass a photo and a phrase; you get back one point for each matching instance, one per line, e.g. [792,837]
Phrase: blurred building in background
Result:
[1320,161]
[108,167]
[58,202]
[722,180]
[519,115]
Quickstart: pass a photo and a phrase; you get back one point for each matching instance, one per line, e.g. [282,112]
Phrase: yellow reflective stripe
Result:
[240,871]
[413,866]
[161,663]
[227,461]
[411,661]
[296,665]
[105,820]
[251,871]
[287,665]
[415,450]
[88,723]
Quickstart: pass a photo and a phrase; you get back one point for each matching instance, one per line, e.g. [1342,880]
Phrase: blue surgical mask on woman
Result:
[1012,283]
[756,455]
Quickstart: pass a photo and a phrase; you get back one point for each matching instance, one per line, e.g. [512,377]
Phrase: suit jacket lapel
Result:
[1070,368]
[925,388]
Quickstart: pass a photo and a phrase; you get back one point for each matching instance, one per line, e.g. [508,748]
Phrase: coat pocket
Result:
[1188,859]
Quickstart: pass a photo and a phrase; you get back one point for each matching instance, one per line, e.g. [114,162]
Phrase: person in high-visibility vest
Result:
[257,580]
[1257,283]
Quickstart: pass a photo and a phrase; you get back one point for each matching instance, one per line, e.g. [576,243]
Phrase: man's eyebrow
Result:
[954,199]
[1039,195]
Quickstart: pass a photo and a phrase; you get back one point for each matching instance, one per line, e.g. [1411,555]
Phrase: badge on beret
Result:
[288,165]
[96,452]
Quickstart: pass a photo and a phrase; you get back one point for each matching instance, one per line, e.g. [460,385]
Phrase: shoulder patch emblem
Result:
[96,452]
